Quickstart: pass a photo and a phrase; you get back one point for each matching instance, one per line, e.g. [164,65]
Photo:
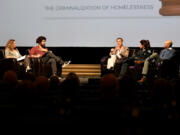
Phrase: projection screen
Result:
[88,23]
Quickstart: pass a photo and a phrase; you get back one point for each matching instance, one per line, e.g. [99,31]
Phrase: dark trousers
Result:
[52,59]
[50,55]
[126,64]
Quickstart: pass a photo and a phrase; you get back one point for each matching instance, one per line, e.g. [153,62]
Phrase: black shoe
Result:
[111,69]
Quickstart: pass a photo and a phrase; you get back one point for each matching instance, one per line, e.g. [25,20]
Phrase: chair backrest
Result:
[131,52]
[2,54]
[28,51]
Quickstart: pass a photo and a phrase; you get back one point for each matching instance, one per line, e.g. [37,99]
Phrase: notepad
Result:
[21,58]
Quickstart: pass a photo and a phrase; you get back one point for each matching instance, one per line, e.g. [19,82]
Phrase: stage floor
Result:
[83,70]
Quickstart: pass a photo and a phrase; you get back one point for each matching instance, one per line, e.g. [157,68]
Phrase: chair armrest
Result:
[9,60]
[139,61]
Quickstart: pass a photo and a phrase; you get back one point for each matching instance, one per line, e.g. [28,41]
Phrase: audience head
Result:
[11,44]
[71,85]
[177,88]
[73,76]
[127,84]
[54,82]
[29,76]
[24,88]
[10,77]
[168,44]
[41,84]
[109,86]
[162,90]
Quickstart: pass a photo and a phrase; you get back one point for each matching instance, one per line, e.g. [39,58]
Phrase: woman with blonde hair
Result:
[12,52]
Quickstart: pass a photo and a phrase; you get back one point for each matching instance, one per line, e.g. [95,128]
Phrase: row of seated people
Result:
[39,59]
[37,99]
[120,58]
[144,62]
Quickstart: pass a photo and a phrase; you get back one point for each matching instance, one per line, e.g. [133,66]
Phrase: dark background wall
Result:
[80,55]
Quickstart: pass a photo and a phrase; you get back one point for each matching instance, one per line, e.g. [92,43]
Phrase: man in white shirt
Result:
[116,53]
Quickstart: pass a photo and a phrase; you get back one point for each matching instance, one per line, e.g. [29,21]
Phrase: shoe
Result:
[66,63]
[59,77]
[111,69]
[143,79]
[28,70]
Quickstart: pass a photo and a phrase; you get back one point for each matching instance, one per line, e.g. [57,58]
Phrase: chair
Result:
[2,54]
[9,64]
[170,68]
[41,69]
[117,66]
